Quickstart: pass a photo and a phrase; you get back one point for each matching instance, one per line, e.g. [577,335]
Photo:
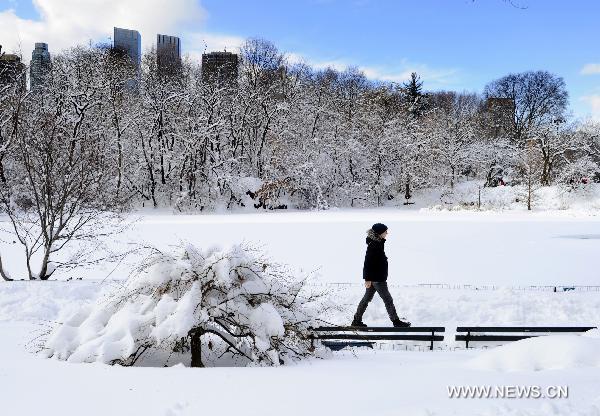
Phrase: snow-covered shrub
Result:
[470,195]
[198,307]
[243,188]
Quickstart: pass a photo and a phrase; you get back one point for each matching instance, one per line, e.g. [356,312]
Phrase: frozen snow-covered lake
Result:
[500,248]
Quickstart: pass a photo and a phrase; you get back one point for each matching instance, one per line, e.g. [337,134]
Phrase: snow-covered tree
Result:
[414,96]
[558,146]
[284,135]
[57,189]
[201,308]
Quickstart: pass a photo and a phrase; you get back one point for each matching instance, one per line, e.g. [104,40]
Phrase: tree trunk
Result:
[196,347]
[28,261]
[547,166]
[529,192]
[545,179]
[119,164]
[2,176]
[44,269]
[2,273]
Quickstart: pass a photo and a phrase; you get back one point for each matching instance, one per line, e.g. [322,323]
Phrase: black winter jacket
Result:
[375,268]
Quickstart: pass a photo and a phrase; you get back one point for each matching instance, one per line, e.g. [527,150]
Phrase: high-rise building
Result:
[500,113]
[219,66]
[168,54]
[12,70]
[129,42]
[40,64]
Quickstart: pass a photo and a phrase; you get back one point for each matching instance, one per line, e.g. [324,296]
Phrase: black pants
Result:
[382,289]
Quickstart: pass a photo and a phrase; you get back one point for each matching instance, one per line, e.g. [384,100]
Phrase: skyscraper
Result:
[12,70]
[40,64]
[130,43]
[219,66]
[500,113]
[168,54]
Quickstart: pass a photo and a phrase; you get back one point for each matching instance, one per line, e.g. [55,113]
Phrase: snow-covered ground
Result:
[510,249]
[379,381]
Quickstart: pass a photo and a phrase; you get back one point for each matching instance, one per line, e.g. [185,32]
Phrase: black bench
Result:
[524,332]
[365,336]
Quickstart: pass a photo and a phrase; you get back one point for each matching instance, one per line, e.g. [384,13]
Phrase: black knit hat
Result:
[379,228]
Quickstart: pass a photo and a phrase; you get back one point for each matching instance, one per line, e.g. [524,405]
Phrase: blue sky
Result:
[454,44]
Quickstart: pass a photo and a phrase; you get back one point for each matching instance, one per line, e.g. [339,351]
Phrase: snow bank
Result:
[542,353]
[46,301]
[465,196]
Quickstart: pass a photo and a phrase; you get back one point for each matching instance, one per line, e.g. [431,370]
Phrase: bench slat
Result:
[475,338]
[337,346]
[381,337]
[379,329]
[524,328]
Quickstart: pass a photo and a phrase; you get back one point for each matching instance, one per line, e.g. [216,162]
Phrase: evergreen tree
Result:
[414,96]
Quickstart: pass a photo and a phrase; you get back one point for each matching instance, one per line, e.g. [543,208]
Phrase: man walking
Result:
[375,272]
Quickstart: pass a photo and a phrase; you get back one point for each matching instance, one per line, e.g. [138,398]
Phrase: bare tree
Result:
[57,191]
[12,98]
[558,145]
[453,128]
[539,98]
[531,167]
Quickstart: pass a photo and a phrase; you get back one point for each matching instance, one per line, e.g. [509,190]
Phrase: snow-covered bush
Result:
[199,307]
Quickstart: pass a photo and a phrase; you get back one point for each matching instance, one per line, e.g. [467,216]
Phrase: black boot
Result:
[358,322]
[400,324]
